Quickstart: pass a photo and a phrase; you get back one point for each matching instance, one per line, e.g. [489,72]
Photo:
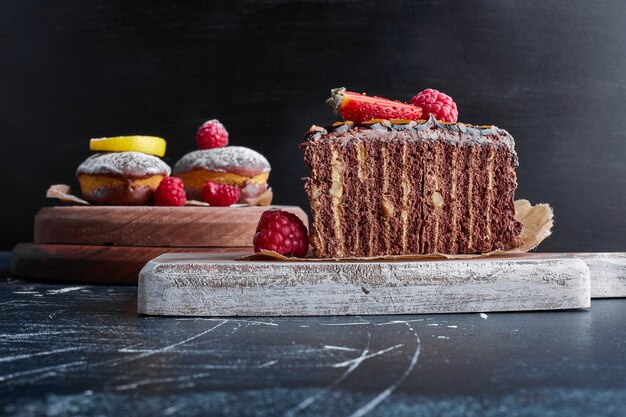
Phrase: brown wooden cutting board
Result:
[189,226]
[110,244]
[92,264]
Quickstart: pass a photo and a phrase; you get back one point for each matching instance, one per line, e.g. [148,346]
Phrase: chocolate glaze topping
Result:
[431,130]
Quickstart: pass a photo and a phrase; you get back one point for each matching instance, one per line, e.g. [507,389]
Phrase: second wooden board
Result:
[90,264]
[219,285]
[152,226]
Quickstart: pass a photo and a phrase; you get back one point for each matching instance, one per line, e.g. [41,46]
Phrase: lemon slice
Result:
[146,144]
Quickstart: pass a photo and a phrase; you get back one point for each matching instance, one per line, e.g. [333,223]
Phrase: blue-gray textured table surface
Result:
[82,350]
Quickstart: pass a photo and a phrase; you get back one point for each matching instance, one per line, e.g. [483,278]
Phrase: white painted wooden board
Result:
[218,285]
[608,273]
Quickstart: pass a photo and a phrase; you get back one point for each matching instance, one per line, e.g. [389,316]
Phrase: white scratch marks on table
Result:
[368,356]
[173,409]
[47,369]
[17,304]
[185,378]
[161,380]
[236,327]
[310,400]
[398,322]
[484,316]
[236,367]
[359,323]
[64,290]
[189,339]
[387,392]
[18,336]
[32,355]
[258,323]
[266,364]
[249,322]
[150,352]
[131,349]
[54,313]
[331,347]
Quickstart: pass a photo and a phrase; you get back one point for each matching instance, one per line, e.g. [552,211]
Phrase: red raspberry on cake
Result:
[282,232]
[221,195]
[438,104]
[170,192]
[212,134]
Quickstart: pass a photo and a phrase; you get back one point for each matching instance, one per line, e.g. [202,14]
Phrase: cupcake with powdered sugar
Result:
[121,178]
[233,165]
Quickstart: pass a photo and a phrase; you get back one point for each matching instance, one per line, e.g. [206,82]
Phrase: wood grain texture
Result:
[218,285]
[608,273]
[151,226]
[91,264]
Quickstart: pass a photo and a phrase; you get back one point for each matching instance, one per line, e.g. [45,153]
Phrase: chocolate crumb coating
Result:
[401,187]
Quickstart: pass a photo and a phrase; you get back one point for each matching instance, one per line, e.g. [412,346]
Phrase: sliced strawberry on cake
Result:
[359,107]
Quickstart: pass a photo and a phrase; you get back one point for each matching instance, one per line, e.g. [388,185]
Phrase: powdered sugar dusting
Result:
[123,163]
[235,159]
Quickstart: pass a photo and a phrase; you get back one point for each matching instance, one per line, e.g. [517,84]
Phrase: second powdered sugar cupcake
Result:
[217,163]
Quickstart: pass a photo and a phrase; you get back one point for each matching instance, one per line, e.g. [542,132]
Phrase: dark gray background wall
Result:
[552,73]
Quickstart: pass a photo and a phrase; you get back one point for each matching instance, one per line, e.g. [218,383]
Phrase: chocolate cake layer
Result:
[404,187]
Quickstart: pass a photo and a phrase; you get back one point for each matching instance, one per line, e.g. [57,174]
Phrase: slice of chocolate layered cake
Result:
[395,187]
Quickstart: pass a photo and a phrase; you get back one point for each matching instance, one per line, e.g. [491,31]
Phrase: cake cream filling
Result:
[437,201]
[360,156]
[386,207]
[316,193]
[455,206]
[406,190]
[315,202]
[360,159]
[470,200]
[370,169]
[336,192]
[490,189]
